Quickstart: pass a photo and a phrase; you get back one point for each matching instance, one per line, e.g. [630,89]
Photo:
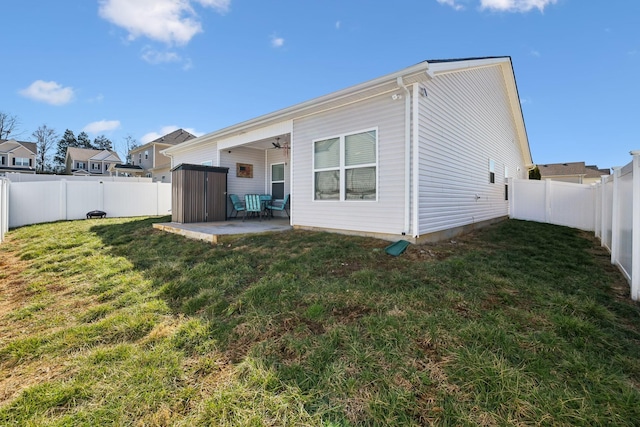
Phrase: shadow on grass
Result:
[519,312]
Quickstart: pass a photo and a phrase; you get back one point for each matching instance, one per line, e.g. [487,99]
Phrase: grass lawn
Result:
[109,322]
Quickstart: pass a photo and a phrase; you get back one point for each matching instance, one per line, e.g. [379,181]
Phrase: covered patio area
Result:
[211,231]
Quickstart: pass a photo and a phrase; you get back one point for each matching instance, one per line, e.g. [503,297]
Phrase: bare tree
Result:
[45,140]
[8,125]
[129,144]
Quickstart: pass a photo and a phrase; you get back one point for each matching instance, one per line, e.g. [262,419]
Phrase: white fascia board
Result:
[422,71]
[332,100]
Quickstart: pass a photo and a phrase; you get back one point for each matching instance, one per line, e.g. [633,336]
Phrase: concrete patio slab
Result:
[210,231]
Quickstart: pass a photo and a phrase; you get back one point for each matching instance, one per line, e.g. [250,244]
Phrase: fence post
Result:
[547,201]
[615,217]
[63,200]
[635,229]
[510,193]
[4,207]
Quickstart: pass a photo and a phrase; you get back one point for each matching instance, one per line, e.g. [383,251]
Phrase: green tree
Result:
[84,141]
[101,142]
[535,173]
[67,140]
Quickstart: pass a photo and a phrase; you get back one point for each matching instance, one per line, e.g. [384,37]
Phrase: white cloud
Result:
[168,21]
[101,126]
[148,137]
[277,41]
[338,25]
[535,53]
[502,5]
[515,5]
[451,3]
[49,92]
[153,56]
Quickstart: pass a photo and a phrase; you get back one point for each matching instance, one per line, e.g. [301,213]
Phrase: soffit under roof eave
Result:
[333,100]
[420,72]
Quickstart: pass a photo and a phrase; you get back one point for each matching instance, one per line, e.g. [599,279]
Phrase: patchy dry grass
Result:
[109,322]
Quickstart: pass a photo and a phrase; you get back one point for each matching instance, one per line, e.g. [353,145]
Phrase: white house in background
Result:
[17,156]
[149,158]
[420,154]
[87,161]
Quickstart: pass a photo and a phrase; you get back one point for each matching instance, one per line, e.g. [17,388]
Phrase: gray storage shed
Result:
[198,193]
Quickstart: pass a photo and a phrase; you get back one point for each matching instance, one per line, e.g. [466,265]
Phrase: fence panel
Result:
[37,202]
[528,201]
[4,207]
[34,202]
[625,221]
[553,202]
[606,198]
[572,205]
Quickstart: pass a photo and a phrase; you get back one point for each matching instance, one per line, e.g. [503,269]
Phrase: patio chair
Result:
[252,204]
[237,204]
[278,206]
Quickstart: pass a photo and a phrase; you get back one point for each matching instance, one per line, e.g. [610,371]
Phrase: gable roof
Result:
[87,154]
[31,146]
[421,72]
[178,136]
[572,169]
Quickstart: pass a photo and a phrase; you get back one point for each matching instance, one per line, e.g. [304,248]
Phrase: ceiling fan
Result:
[277,143]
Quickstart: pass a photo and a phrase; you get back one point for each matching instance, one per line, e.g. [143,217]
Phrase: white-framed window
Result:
[95,166]
[2,160]
[345,167]
[146,154]
[492,171]
[139,157]
[80,165]
[277,180]
[207,163]
[21,161]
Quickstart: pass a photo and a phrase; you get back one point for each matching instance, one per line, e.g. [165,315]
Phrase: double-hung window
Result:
[80,165]
[21,161]
[277,181]
[345,167]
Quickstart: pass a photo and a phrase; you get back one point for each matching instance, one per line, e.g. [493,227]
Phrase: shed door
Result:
[216,196]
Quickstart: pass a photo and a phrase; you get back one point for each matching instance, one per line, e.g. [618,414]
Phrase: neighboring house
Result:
[86,161]
[149,158]
[17,156]
[576,172]
[420,154]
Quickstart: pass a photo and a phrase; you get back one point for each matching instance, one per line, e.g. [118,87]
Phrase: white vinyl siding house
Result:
[409,155]
[466,126]
[381,215]
[17,156]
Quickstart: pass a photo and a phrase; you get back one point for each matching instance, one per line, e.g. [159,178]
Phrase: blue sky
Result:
[146,67]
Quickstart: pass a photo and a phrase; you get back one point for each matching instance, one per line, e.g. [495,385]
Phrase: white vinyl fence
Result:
[46,201]
[28,177]
[4,207]
[554,202]
[611,209]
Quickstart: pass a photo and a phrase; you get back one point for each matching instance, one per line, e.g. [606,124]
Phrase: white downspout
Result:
[407,156]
